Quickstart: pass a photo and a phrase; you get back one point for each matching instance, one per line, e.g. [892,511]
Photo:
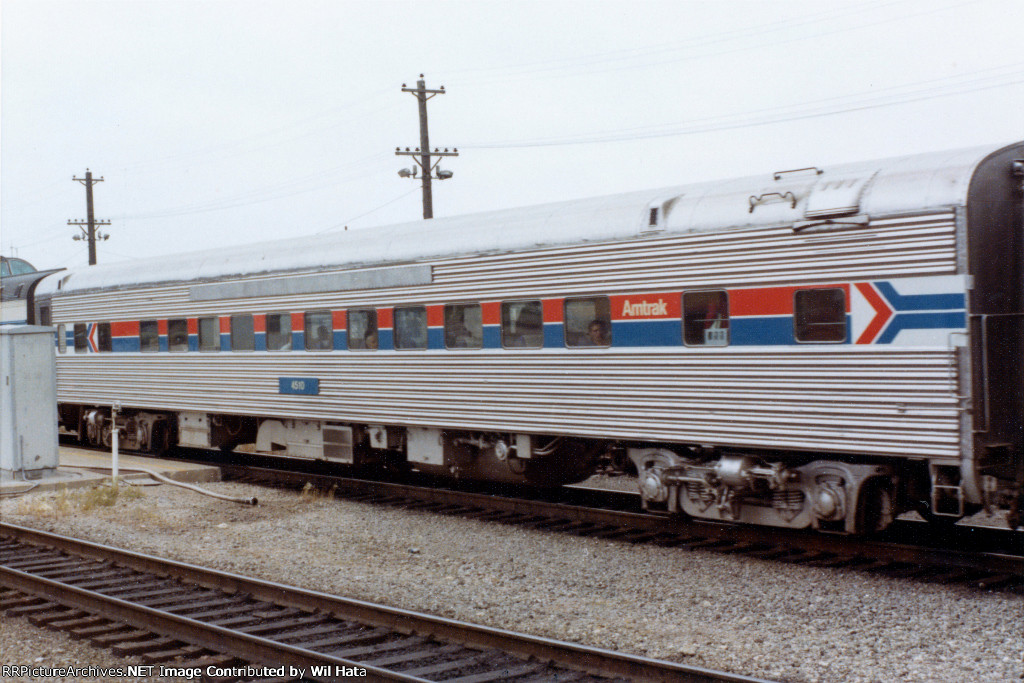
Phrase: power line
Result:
[785,114]
[752,38]
[364,215]
[259,195]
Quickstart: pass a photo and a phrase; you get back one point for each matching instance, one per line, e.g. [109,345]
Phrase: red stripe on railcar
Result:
[124,328]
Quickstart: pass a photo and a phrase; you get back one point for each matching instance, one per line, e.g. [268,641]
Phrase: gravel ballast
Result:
[739,614]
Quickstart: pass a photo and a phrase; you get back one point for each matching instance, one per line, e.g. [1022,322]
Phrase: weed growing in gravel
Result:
[106,495]
[311,493]
[81,500]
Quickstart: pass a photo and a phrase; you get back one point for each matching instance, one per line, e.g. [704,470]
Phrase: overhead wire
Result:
[922,90]
[752,38]
[364,215]
[258,195]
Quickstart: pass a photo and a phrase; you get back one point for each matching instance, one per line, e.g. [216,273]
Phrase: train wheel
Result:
[874,507]
[160,439]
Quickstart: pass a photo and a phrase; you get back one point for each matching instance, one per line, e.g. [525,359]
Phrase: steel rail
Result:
[912,551]
[596,661]
[224,640]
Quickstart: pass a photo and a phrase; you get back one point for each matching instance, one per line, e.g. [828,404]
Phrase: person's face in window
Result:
[596,334]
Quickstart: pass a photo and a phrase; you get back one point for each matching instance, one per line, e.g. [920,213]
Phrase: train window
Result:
[103,339]
[62,340]
[463,326]
[819,315]
[588,322]
[243,335]
[706,318]
[177,335]
[44,316]
[209,334]
[279,332]
[362,329]
[411,327]
[319,333]
[81,337]
[522,324]
[149,336]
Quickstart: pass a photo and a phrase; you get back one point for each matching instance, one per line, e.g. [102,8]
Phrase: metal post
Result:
[115,441]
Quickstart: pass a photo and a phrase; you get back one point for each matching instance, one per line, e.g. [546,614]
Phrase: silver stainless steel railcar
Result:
[812,348]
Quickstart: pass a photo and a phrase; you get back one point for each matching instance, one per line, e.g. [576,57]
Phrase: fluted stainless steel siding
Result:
[877,400]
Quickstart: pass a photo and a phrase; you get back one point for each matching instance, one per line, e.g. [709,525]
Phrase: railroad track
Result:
[230,627]
[982,557]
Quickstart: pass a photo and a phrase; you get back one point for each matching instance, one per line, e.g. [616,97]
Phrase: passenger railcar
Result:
[818,348]
[18,279]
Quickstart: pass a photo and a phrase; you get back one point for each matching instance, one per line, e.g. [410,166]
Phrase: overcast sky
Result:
[216,123]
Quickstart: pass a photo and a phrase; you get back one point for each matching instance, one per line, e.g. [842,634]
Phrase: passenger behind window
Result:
[362,329]
[463,326]
[587,322]
[597,334]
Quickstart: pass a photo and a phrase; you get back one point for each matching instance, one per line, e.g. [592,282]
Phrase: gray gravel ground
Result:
[739,614]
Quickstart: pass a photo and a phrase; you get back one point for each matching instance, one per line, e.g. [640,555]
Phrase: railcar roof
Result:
[876,188]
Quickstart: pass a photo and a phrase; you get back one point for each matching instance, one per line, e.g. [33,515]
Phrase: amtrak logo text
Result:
[644,308]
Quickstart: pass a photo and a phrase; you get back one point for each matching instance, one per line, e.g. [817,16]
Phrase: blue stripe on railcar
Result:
[647,333]
[125,344]
[435,338]
[922,321]
[920,302]
[554,335]
[773,331]
[492,337]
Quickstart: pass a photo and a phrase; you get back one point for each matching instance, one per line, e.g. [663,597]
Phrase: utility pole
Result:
[91,234]
[423,151]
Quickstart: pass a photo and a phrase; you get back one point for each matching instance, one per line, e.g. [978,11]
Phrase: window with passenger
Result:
[362,329]
[411,327]
[588,322]
[463,326]
[522,324]
[706,318]
[819,315]
[319,330]
[279,332]
[177,335]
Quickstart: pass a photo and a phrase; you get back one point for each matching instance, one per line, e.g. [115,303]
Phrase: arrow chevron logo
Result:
[94,346]
[895,312]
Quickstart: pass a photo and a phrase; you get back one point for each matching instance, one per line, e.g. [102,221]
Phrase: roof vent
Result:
[836,197]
